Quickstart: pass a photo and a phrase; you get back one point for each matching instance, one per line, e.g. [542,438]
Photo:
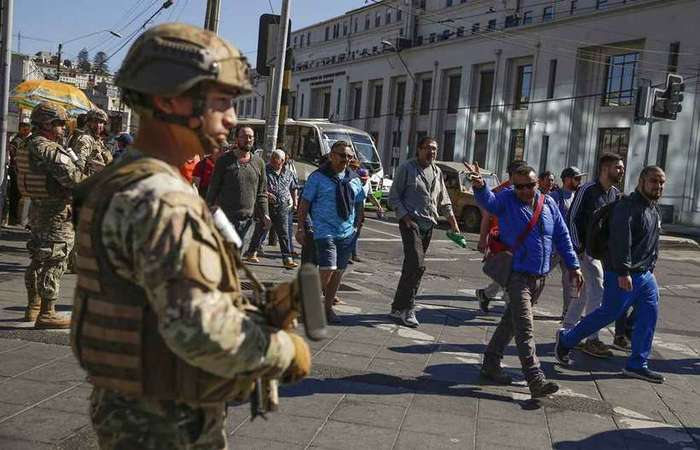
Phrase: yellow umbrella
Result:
[30,93]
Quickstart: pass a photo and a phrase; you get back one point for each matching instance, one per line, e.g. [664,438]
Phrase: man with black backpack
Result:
[530,225]
[591,197]
[632,250]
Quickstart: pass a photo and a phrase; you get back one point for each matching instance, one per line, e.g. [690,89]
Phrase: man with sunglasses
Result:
[530,225]
[419,196]
[333,195]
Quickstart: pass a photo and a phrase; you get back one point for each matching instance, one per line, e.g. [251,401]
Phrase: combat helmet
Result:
[47,112]
[170,59]
[96,114]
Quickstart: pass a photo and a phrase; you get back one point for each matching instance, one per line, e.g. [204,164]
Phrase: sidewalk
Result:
[374,384]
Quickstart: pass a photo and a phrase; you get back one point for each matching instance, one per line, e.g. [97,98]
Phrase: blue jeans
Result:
[242,227]
[334,253]
[644,297]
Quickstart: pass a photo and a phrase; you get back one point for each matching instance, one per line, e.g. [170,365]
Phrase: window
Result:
[552,78]
[327,32]
[387,17]
[399,15]
[377,104]
[308,38]
[367,22]
[544,154]
[512,21]
[355,27]
[485,90]
[523,86]
[615,140]
[620,82]
[326,107]
[600,4]
[453,87]
[527,17]
[673,51]
[255,107]
[517,144]
[481,140]
[431,39]
[475,28]
[492,24]
[448,146]
[378,19]
[574,5]
[345,29]
[309,144]
[425,93]
[419,136]
[295,42]
[301,106]
[547,13]
[421,5]
[662,152]
[357,103]
[460,31]
[449,3]
[337,102]
[400,94]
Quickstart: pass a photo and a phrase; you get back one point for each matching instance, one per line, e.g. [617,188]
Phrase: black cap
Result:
[572,172]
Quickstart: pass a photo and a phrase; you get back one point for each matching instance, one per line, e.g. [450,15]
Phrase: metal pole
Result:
[58,63]
[207,15]
[271,125]
[6,59]
[214,20]
[646,152]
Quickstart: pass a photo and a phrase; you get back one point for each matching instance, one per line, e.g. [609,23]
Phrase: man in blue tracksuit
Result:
[633,247]
[531,260]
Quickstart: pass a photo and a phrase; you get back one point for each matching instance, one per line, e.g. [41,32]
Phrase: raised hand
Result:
[474,173]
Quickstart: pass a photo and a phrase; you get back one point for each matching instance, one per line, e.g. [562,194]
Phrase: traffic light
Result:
[668,102]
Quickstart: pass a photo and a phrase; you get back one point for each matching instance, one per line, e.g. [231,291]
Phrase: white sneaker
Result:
[408,318]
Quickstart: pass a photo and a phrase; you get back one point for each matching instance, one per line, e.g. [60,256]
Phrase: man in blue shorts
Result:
[333,195]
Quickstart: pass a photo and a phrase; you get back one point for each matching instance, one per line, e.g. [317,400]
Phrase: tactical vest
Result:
[31,182]
[114,331]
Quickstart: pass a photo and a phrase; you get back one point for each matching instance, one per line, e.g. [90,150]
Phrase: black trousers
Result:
[415,245]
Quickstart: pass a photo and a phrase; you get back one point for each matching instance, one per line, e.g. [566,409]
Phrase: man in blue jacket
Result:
[531,260]
[633,247]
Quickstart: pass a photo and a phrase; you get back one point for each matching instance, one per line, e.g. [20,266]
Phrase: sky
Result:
[45,23]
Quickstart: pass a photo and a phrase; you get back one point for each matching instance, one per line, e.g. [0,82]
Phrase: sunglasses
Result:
[521,187]
[344,155]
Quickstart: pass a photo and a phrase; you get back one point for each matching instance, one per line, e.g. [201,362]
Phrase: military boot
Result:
[33,308]
[48,319]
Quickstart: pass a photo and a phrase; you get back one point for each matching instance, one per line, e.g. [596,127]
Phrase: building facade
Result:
[553,82]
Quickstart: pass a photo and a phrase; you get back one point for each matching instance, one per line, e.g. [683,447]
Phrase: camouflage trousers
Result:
[123,423]
[51,241]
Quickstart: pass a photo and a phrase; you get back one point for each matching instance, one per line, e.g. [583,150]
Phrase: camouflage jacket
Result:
[91,151]
[148,231]
[50,158]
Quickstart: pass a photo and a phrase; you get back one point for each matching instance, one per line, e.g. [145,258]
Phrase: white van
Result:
[307,140]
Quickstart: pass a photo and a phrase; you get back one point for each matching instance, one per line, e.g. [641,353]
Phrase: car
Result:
[461,194]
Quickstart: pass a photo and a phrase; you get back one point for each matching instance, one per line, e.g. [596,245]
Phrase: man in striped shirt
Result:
[589,198]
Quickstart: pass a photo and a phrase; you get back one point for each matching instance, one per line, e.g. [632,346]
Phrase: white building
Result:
[22,68]
[553,82]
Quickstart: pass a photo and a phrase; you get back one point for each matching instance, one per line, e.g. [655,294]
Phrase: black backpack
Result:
[598,231]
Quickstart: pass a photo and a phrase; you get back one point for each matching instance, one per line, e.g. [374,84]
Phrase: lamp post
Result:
[60,46]
[412,112]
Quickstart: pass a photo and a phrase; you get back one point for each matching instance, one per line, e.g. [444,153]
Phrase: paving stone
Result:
[409,440]
[446,403]
[569,427]
[25,358]
[75,401]
[27,392]
[502,432]
[342,360]
[369,413]
[42,425]
[7,409]
[353,348]
[65,370]
[245,442]
[444,424]
[401,368]
[11,344]
[510,411]
[13,444]
[350,436]
[283,428]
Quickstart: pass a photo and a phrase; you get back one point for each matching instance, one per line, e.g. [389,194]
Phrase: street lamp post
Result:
[60,46]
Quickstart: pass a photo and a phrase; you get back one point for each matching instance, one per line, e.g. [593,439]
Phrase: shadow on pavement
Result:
[669,438]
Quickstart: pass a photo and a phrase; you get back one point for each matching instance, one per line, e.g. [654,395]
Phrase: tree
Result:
[99,63]
[84,60]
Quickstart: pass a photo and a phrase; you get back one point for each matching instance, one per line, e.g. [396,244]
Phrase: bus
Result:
[306,140]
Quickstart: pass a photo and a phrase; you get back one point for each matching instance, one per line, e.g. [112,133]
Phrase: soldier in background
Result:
[87,142]
[47,174]
[159,321]
[13,196]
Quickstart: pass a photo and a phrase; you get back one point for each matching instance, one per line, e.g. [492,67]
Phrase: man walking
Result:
[419,197]
[239,185]
[333,195]
[530,223]
[47,174]
[281,195]
[571,180]
[589,198]
[633,248]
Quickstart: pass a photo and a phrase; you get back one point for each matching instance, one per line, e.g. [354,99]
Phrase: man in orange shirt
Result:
[188,168]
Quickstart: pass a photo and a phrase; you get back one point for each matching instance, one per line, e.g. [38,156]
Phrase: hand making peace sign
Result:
[474,173]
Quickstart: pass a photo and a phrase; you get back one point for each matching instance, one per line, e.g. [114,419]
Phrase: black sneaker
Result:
[621,343]
[496,374]
[483,300]
[561,353]
[644,374]
[541,387]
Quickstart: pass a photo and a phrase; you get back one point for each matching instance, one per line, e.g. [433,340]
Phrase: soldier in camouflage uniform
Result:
[46,173]
[159,322]
[12,199]
[87,142]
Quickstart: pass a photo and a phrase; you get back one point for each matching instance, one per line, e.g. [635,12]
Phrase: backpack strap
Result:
[533,220]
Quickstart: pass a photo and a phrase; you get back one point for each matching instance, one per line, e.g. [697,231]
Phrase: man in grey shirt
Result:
[418,196]
[239,185]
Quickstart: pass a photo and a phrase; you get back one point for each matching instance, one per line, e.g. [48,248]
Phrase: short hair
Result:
[425,139]
[545,174]
[340,144]
[278,153]
[514,165]
[650,169]
[607,159]
[524,170]
[241,127]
